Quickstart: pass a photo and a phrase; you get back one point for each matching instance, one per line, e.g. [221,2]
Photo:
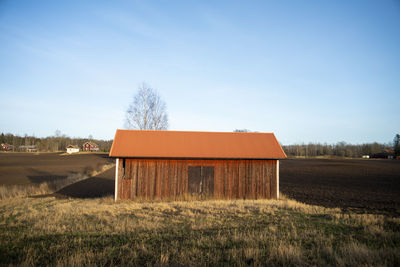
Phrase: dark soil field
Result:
[31,168]
[357,185]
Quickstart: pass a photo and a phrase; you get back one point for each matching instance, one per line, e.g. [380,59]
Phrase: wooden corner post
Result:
[116,179]
[277,179]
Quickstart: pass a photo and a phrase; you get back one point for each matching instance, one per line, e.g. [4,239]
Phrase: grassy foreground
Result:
[42,231]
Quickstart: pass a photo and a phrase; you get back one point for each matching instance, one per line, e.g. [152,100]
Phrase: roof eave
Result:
[196,158]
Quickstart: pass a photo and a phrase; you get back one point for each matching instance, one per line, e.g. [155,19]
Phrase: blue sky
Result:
[309,71]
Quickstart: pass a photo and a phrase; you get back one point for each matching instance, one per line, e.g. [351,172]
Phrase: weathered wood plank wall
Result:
[168,178]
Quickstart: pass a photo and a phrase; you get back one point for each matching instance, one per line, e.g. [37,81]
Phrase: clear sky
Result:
[309,71]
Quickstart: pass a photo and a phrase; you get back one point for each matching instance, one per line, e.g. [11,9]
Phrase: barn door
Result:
[201,180]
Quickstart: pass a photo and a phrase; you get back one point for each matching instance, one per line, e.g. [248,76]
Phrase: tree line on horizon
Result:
[56,143]
[343,149]
[340,149]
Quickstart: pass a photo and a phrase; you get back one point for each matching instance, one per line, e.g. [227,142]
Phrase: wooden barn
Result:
[175,164]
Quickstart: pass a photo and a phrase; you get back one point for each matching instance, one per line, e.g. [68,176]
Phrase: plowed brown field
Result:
[358,185]
[30,168]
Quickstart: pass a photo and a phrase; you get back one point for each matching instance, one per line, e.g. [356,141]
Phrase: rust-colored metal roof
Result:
[179,144]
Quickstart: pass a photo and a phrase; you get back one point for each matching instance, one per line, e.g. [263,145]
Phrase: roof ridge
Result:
[174,131]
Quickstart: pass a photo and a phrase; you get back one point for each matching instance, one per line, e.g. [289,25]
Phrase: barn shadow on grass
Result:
[94,187]
[90,188]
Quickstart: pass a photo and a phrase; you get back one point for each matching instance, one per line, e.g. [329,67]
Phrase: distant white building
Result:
[30,148]
[72,149]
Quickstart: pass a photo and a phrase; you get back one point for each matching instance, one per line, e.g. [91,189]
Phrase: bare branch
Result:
[147,111]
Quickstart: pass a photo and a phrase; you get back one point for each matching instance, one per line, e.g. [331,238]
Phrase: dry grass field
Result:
[68,222]
[65,232]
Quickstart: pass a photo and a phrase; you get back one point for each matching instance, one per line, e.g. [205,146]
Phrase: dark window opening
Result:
[201,180]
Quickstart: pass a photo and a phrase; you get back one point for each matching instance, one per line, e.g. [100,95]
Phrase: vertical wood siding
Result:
[168,178]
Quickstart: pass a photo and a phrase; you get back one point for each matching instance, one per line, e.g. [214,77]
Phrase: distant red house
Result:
[90,146]
[6,147]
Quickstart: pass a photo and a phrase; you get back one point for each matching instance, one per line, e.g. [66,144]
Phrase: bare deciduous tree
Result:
[147,111]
